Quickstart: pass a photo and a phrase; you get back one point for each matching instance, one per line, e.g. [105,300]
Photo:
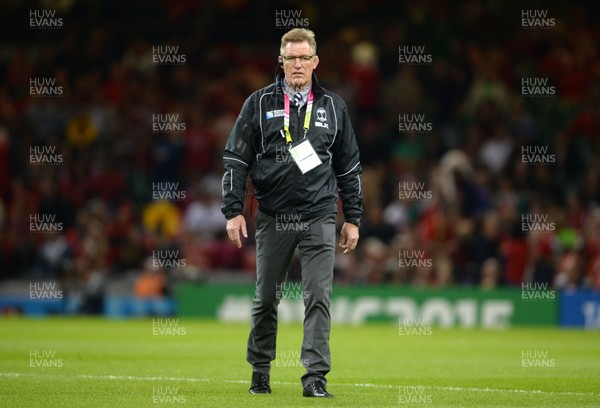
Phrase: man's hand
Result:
[348,237]
[233,229]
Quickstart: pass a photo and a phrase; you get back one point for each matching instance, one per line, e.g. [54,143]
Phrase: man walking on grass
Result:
[296,141]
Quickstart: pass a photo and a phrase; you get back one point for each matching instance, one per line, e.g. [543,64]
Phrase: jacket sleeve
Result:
[237,160]
[346,164]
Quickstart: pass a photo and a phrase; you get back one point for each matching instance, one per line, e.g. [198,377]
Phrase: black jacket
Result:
[256,145]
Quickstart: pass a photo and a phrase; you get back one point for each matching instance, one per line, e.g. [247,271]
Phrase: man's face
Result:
[298,72]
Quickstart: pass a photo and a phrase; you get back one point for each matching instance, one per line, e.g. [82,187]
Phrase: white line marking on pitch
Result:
[433,387]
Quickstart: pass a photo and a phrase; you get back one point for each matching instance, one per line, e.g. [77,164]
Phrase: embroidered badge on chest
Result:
[321,118]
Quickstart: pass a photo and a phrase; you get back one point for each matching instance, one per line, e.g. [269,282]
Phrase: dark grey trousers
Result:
[276,240]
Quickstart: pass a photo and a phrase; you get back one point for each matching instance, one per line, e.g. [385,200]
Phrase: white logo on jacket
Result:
[322,118]
[274,114]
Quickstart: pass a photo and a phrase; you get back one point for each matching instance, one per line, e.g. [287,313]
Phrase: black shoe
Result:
[316,389]
[260,384]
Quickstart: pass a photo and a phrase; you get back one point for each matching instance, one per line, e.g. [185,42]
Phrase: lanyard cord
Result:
[286,116]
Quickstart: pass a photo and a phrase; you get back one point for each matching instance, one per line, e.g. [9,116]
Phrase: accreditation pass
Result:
[305,156]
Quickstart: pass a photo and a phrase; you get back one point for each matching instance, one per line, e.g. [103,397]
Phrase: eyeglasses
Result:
[304,59]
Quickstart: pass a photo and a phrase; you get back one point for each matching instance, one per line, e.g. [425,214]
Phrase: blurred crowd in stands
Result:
[469,167]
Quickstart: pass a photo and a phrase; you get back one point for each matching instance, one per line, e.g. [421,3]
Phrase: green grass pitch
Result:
[80,362]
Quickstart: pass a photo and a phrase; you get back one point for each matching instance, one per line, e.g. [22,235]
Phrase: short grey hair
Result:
[297,35]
